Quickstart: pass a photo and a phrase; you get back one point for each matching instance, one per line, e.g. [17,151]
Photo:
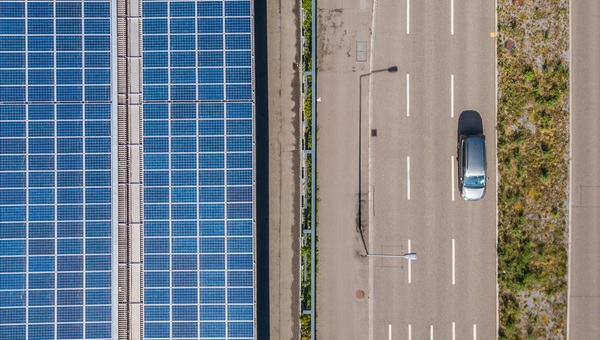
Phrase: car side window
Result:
[463,155]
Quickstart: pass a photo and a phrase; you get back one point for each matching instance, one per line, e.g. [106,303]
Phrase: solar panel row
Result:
[198,177]
[55,172]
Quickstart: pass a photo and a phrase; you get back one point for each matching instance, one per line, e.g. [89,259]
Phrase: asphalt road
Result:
[401,127]
[584,288]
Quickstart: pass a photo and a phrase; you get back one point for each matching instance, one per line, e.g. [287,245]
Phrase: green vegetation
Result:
[307,34]
[305,252]
[307,239]
[533,137]
[305,290]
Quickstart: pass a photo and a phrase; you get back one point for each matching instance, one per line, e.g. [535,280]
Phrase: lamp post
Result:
[408,256]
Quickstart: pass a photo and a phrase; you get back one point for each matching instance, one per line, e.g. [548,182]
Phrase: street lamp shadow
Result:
[363,201]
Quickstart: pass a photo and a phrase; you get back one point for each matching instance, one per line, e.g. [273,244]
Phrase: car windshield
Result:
[475,182]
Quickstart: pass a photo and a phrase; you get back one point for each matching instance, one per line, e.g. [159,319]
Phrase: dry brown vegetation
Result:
[533,137]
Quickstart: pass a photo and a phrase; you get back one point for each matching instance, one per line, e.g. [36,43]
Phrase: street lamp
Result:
[408,256]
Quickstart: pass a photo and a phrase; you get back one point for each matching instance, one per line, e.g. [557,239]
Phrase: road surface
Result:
[386,162]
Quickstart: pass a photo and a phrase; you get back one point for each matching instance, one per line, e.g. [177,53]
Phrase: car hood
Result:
[473,194]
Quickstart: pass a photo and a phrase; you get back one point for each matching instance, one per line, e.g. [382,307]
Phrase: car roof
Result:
[475,155]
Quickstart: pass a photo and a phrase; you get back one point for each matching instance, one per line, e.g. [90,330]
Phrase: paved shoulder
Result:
[584,297]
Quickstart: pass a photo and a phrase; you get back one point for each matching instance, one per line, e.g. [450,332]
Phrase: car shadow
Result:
[469,123]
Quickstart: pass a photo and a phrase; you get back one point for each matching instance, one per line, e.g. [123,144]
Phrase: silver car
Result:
[472,166]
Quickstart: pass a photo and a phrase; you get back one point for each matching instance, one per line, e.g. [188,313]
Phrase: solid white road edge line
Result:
[370,174]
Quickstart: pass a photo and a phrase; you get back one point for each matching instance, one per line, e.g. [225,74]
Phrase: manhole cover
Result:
[360,294]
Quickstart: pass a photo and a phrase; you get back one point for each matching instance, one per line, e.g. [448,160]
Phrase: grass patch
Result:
[533,137]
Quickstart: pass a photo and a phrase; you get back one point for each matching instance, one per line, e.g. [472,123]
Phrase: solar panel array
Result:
[198,170]
[55,170]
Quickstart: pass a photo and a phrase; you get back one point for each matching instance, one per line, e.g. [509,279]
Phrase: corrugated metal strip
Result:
[130,312]
[123,321]
[123,175]
[123,125]
[123,244]
[122,38]
[123,284]
[123,204]
[121,8]
[122,71]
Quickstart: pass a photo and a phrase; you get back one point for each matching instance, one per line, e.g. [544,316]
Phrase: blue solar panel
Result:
[56,166]
[198,177]
[55,177]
